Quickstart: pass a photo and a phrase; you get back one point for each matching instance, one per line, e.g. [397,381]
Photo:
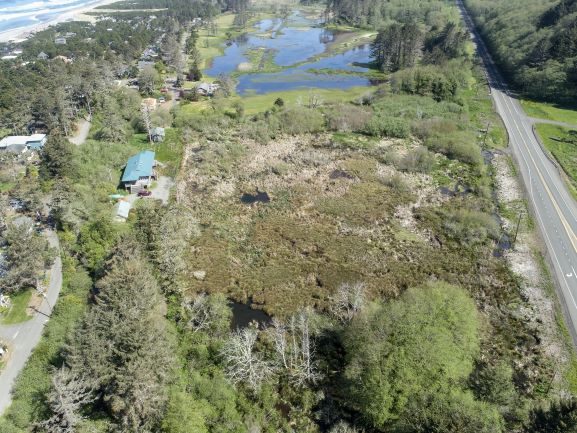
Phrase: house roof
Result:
[21,140]
[123,209]
[138,166]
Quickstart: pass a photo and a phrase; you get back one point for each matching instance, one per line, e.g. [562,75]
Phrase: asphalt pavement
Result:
[553,206]
[24,337]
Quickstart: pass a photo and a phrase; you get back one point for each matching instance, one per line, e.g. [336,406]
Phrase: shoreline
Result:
[20,34]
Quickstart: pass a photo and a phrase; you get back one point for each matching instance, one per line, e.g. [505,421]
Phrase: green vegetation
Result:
[18,310]
[534,43]
[408,357]
[562,143]
[362,220]
[35,379]
[542,110]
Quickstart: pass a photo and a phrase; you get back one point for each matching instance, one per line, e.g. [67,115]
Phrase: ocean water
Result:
[15,14]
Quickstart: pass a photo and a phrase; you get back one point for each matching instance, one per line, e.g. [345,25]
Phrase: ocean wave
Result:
[19,13]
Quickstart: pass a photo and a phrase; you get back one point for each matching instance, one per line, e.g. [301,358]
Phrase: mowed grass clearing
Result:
[542,110]
[557,141]
[254,104]
[18,311]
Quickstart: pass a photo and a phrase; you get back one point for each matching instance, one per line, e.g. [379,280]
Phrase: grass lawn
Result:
[17,312]
[169,152]
[556,140]
[542,110]
[6,186]
[259,103]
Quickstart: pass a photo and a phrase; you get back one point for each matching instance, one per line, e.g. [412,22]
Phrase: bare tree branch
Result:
[348,300]
[242,363]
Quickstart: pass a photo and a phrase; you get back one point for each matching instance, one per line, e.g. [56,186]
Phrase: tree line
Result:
[534,43]
[376,13]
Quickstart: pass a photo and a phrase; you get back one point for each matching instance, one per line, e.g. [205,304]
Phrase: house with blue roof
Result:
[139,172]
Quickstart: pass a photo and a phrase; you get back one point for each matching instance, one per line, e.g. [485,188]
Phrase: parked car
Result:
[164,90]
[162,99]
[144,193]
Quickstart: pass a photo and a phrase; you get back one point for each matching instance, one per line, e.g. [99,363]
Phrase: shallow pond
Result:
[292,46]
[261,197]
[243,315]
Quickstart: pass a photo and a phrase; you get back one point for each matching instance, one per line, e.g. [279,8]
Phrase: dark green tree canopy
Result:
[407,359]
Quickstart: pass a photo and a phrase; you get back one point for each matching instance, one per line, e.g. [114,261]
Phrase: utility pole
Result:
[486,133]
[517,229]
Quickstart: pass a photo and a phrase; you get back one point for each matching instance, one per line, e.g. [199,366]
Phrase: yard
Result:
[18,310]
[168,152]
[543,110]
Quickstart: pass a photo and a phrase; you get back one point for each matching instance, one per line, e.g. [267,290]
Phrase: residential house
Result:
[8,57]
[21,143]
[149,104]
[43,56]
[139,172]
[60,40]
[149,53]
[207,89]
[157,134]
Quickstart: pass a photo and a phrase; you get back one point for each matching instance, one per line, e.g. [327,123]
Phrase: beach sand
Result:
[21,33]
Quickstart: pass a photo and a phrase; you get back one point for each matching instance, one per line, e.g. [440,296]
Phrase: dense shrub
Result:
[301,120]
[396,183]
[261,130]
[458,145]
[417,160]
[440,83]
[347,118]
[408,360]
[392,127]
[470,227]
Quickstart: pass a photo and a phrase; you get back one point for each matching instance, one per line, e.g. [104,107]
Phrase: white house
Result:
[207,89]
[21,143]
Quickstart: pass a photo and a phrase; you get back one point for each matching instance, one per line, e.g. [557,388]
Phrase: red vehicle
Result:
[164,90]
[144,193]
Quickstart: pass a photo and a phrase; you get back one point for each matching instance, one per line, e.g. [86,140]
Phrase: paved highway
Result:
[554,209]
[24,337]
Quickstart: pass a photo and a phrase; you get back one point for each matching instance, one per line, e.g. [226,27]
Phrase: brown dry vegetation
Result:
[337,214]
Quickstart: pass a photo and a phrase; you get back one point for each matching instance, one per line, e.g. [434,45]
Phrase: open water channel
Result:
[296,44]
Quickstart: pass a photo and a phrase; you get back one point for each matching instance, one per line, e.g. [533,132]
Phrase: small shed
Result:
[43,56]
[123,210]
[157,134]
[60,41]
